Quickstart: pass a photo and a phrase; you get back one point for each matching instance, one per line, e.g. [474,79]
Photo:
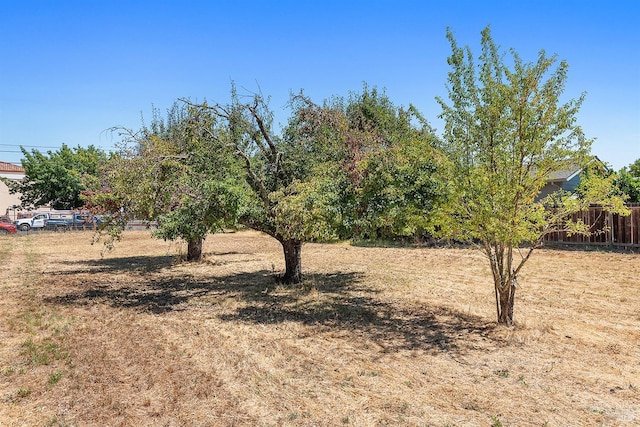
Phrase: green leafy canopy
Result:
[507,132]
[58,178]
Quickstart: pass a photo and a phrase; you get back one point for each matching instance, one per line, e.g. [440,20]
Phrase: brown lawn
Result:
[374,337]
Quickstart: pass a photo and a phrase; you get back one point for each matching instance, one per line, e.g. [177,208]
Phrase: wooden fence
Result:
[621,231]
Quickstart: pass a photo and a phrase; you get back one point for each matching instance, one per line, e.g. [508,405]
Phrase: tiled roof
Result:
[10,167]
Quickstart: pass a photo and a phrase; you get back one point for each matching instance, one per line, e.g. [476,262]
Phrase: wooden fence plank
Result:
[623,231]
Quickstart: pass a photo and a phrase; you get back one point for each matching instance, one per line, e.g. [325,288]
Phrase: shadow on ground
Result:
[129,265]
[335,301]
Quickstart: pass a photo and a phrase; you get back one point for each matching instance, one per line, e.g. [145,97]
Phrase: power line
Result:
[31,146]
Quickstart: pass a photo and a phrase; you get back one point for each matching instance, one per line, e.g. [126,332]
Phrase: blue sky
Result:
[69,70]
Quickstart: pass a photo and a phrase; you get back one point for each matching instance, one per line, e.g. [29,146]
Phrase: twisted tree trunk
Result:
[293,260]
[505,299]
[504,279]
[194,249]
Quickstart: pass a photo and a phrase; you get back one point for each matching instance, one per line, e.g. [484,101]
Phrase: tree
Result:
[317,179]
[58,178]
[174,171]
[627,182]
[292,195]
[506,132]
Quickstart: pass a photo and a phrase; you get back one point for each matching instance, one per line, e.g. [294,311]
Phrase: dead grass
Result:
[374,337]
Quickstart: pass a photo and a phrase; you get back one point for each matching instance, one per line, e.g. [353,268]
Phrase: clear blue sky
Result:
[71,69]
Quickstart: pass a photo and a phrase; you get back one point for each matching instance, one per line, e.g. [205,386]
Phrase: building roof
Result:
[564,175]
[10,167]
[573,170]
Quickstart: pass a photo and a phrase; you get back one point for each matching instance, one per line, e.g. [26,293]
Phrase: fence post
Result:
[612,228]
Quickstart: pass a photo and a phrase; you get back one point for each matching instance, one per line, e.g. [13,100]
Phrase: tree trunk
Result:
[194,249]
[505,299]
[293,260]
[504,279]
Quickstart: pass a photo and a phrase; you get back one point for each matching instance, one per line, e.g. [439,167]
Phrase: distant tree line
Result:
[350,167]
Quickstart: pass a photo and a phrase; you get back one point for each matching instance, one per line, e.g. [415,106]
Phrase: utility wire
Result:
[30,146]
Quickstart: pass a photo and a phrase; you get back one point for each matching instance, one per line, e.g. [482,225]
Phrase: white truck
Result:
[58,220]
[37,221]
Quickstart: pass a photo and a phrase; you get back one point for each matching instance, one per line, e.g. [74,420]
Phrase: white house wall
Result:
[7,200]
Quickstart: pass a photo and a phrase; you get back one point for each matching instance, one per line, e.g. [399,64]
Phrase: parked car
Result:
[77,222]
[58,224]
[85,222]
[7,226]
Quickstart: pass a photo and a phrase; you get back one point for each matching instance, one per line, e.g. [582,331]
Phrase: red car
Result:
[6,225]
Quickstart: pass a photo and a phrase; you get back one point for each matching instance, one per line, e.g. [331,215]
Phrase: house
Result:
[568,179]
[8,201]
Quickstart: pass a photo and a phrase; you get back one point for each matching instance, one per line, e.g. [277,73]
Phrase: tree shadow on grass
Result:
[338,301]
[129,265]
[133,264]
[341,301]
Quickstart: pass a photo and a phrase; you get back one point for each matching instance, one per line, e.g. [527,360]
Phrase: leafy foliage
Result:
[400,189]
[627,182]
[634,169]
[58,178]
[306,210]
[383,162]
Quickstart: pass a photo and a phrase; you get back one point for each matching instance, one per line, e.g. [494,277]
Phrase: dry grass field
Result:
[374,336]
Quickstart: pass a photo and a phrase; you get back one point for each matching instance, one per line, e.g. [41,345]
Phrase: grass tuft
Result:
[495,421]
[54,378]
[23,393]
[43,353]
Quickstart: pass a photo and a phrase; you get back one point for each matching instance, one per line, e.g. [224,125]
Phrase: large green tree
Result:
[176,172]
[58,178]
[352,165]
[293,194]
[507,130]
